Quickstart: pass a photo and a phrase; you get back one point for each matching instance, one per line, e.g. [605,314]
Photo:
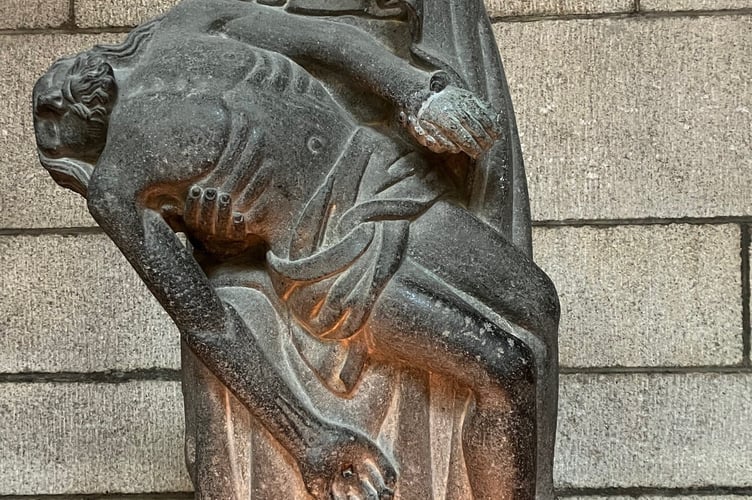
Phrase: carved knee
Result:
[507,360]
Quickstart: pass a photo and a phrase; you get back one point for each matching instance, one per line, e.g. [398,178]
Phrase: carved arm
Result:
[439,116]
[153,249]
[340,46]
[224,342]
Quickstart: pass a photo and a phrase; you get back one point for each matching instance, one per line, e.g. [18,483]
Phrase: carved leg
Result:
[486,315]
[446,336]
[217,435]
[334,460]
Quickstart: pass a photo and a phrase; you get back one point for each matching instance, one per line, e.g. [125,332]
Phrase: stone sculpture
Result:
[359,311]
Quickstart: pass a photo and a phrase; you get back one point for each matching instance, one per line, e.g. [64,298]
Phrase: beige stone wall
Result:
[636,122]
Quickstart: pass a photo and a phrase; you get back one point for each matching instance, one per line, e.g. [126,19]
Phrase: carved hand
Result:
[336,462]
[454,120]
[209,218]
[343,464]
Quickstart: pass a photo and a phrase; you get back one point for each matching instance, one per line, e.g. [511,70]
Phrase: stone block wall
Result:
[636,121]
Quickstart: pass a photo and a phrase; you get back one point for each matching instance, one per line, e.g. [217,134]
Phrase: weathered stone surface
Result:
[93,13]
[680,5]
[106,13]
[74,304]
[553,7]
[646,295]
[655,430]
[626,118]
[31,198]
[613,429]
[90,438]
[18,14]
[246,151]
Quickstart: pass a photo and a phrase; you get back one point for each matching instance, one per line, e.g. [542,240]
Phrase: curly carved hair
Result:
[90,88]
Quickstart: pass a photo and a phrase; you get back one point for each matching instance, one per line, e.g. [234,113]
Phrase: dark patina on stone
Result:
[360,314]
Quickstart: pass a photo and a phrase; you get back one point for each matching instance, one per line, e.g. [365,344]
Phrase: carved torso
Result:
[307,182]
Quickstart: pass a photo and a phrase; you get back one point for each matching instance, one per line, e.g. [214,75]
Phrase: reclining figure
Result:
[395,227]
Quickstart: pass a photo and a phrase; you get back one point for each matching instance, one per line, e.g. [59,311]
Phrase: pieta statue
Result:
[359,311]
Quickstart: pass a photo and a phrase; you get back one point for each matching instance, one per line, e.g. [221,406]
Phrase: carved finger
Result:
[479,133]
[192,209]
[209,209]
[457,133]
[238,225]
[423,141]
[416,130]
[224,222]
[377,479]
[432,144]
[368,489]
[443,143]
[483,112]
[430,137]
[488,119]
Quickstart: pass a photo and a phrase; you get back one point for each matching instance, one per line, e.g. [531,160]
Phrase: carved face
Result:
[65,124]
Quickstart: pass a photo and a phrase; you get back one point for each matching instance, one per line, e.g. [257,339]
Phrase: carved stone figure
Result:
[359,311]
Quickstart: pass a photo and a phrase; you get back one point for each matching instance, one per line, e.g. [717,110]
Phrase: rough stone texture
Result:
[554,7]
[629,113]
[72,438]
[91,438]
[626,118]
[663,431]
[105,13]
[646,295]
[31,198]
[18,14]
[74,304]
[681,5]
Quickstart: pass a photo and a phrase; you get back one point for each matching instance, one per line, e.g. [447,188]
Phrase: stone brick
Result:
[502,8]
[30,197]
[18,14]
[634,117]
[684,5]
[90,438]
[73,303]
[655,431]
[646,295]
[613,430]
[107,13]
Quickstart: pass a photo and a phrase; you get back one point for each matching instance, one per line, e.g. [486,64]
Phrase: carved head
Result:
[72,104]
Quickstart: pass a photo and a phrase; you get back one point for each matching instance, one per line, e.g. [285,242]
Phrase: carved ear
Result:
[69,173]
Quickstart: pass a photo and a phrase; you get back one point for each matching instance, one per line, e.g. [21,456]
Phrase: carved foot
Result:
[343,464]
